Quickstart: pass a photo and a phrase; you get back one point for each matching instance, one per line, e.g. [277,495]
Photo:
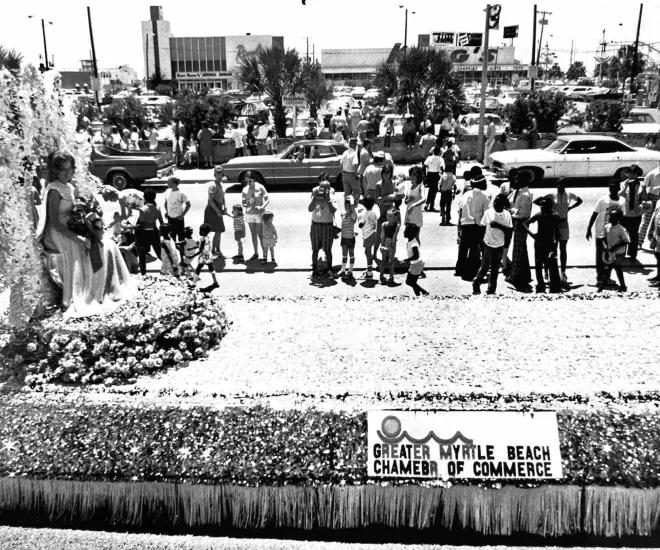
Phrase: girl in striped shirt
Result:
[348,221]
[239,229]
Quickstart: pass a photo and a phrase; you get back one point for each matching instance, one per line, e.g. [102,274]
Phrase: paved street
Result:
[293,253]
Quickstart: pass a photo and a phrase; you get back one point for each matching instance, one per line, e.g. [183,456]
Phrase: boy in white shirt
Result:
[498,223]
[176,207]
[368,224]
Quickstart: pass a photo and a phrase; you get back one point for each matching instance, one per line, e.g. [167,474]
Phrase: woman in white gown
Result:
[84,290]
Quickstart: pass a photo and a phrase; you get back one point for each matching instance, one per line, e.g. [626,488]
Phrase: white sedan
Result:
[576,157]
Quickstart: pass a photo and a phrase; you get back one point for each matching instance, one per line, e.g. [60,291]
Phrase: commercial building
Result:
[503,67]
[111,78]
[356,65]
[197,62]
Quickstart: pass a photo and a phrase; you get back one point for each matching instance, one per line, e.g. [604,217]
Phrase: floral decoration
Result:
[168,324]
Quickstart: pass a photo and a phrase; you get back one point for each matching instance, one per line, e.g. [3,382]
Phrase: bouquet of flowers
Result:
[86,219]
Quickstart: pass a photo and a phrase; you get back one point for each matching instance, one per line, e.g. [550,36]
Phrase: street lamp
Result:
[43,29]
[146,49]
[602,57]
[405,36]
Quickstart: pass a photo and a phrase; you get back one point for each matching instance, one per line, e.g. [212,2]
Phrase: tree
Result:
[277,73]
[124,113]
[548,107]
[605,116]
[317,90]
[156,79]
[193,109]
[10,60]
[555,72]
[576,70]
[621,65]
[422,82]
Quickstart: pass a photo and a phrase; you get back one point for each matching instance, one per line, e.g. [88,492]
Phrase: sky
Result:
[329,24]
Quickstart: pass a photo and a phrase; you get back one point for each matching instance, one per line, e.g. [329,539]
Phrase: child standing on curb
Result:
[239,229]
[389,233]
[205,256]
[348,221]
[545,243]
[415,260]
[190,249]
[368,224]
[616,239]
[269,236]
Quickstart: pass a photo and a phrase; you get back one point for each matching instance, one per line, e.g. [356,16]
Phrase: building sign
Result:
[478,67]
[444,38]
[532,71]
[469,39]
[511,32]
[294,101]
[463,445]
[219,74]
[474,56]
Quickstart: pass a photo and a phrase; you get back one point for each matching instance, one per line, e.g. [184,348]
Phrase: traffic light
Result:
[494,21]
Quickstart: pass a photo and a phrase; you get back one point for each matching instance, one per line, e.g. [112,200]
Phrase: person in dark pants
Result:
[434,166]
[498,224]
[521,208]
[147,235]
[545,241]
[471,208]
[322,206]
[633,193]
[532,131]
[177,206]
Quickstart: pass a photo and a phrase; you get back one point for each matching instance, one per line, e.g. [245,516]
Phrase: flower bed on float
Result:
[167,325]
[75,451]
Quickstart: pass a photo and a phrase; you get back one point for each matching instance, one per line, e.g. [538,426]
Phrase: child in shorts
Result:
[414,259]
[368,224]
[389,233]
[348,221]
[190,249]
[205,255]
[616,241]
[239,229]
[269,237]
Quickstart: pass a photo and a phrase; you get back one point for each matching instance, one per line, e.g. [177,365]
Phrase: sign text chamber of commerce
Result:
[464,444]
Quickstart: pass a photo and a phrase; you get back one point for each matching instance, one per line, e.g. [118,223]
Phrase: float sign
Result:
[463,445]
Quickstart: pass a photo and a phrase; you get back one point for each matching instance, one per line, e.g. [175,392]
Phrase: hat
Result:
[267,213]
[477,180]
[379,155]
[544,201]
[353,141]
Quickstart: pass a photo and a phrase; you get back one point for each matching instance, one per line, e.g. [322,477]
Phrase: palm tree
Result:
[317,91]
[277,73]
[10,60]
[421,81]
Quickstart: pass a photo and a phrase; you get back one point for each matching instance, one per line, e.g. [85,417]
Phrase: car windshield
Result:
[556,145]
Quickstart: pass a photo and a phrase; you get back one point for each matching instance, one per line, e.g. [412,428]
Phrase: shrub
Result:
[605,115]
[166,114]
[548,107]
[167,325]
[192,110]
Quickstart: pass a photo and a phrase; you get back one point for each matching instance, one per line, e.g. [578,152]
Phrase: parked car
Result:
[398,124]
[123,169]
[342,100]
[577,157]
[358,92]
[341,90]
[508,98]
[638,121]
[469,124]
[372,93]
[300,164]
[492,105]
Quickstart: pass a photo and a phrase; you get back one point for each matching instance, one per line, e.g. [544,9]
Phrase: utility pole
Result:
[307,55]
[43,29]
[603,45]
[633,72]
[531,80]
[405,35]
[96,69]
[543,22]
[570,62]
[484,85]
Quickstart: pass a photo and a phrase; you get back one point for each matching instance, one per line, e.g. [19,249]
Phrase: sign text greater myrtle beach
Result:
[482,444]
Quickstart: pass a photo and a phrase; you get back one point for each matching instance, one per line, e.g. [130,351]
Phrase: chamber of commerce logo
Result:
[391,433]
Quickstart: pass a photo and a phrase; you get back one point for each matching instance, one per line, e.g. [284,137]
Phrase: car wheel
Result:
[339,183]
[119,180]
[535,174]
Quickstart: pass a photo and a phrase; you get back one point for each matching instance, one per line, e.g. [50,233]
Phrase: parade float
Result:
[142,419]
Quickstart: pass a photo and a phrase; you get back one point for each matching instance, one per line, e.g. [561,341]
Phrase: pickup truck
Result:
[123,169]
